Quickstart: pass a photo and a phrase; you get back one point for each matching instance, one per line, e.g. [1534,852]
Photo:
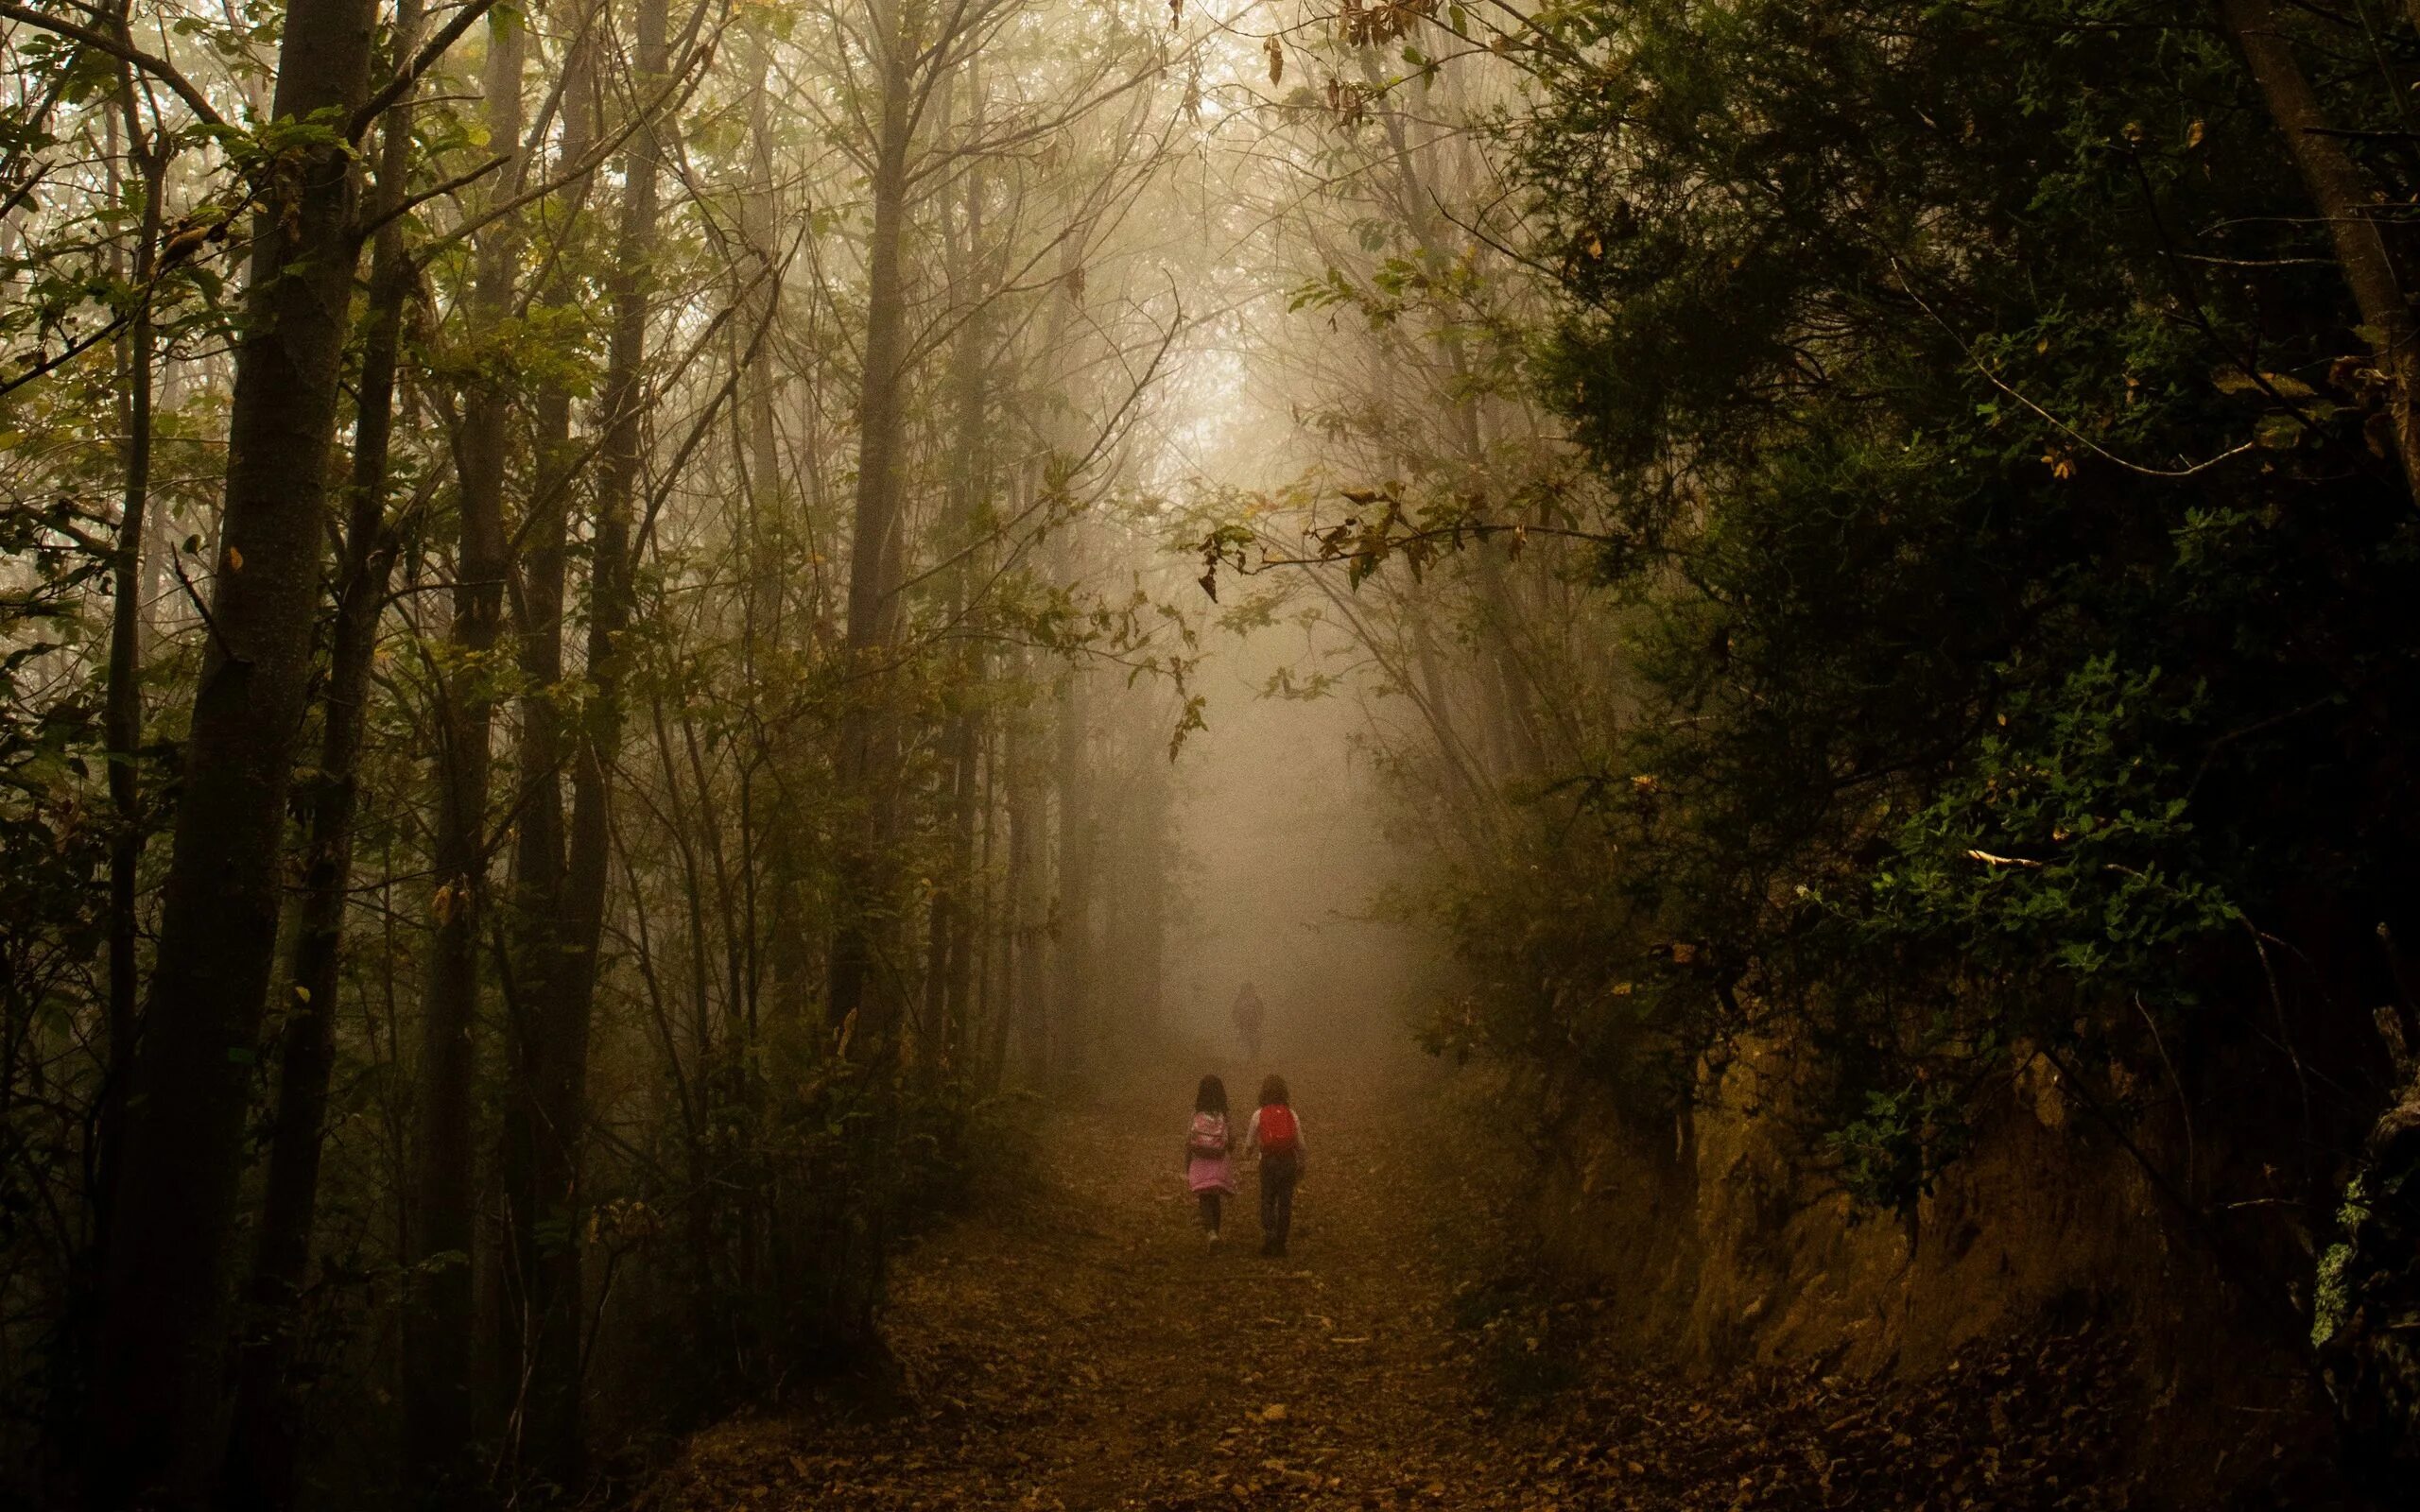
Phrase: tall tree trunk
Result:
[1142,959]
[867,733]
[259,1470]
[949,974]
[759,222]
[540,866]
[122,719]
[950,964]
[438,1416]
[990,1004]
[163,1279]
[557,1071]
[1510,698]
[2351,212]
[1027,889]
[761,629]
[705,1201]
[1115,897]
[1072,962]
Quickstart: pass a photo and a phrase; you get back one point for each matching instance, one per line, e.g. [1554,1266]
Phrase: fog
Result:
[713,620]
[1285,858]
[644,645]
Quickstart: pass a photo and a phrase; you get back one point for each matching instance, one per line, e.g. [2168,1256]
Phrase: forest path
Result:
[1092,1349]
[1082,1348]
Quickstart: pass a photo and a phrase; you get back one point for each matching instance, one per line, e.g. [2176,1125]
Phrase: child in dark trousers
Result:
[1277,1137]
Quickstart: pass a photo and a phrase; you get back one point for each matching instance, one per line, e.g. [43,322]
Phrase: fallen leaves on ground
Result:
[1089,1349]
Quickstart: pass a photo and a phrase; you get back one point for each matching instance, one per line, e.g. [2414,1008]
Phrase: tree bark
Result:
[1071,961]
[556,1075]
[950,958]
[759,222]
[259,1470]
[1510,696]
[1143,957]
[990,1006]
[2339,194]
[540,866]
[122,717]
[164,1280]
[438,1408]
[866,732]
[757,452]
[949,974]
[1027,889]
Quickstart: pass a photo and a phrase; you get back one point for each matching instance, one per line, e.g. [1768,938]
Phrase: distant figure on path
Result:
[1209,1169]
[1277,1137]
[1249,1016]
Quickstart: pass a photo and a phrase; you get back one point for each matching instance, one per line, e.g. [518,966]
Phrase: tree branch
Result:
[159,68]
[421,63]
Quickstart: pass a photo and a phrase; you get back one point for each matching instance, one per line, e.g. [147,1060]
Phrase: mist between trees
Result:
[606,606]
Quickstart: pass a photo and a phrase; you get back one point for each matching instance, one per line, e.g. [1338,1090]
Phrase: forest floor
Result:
[1085,1348]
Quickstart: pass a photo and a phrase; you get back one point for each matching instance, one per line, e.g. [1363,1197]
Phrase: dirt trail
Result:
[1094,1351]
[1088,1350]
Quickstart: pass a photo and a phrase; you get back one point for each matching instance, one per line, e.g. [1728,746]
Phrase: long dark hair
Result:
[1212,1098]
[1274,1091]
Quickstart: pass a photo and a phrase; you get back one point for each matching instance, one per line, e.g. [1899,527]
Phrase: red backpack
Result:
[1278,1135]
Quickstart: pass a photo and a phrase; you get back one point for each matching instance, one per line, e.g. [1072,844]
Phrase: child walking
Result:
[1209,1170]
[1277,1136]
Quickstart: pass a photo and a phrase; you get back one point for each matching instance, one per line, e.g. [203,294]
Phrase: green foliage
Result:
[2004,535]
[2063,836]
[1892,1155]
[55,832]
[2330,1302]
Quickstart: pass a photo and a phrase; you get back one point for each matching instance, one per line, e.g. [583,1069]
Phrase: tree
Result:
[605,453]
[439,1411]
[163,1292]
[263,1441]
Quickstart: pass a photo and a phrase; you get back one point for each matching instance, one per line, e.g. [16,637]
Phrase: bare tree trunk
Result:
[259,1472]
[950,964]
[991,1007]
[556,1077]
[1510,696]
[437,1340]
[1072,963]
[539,861]
[759,220]
[761,625]
[1117,887]
[950,983]
[122,717]
[693,1089]
[1143,960]
[866,732]
[163,1279]
[2351,212]
[1027,889]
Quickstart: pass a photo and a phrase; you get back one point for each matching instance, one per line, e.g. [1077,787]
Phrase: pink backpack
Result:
[1208,1141]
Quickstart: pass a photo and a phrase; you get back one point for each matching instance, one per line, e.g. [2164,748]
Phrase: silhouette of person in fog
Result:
[1248,1015]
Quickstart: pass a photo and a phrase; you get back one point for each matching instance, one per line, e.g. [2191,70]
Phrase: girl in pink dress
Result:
[1209,1170]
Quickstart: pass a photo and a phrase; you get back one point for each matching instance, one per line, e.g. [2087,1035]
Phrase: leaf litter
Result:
[1084,1348]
